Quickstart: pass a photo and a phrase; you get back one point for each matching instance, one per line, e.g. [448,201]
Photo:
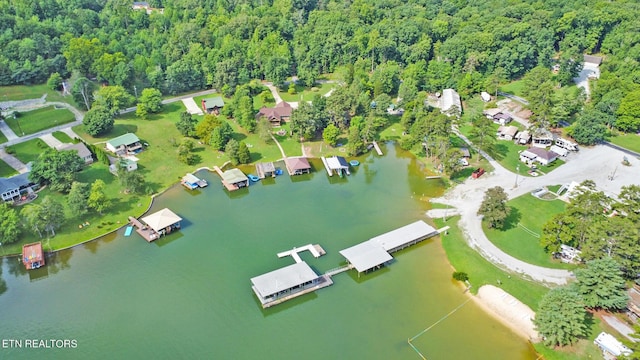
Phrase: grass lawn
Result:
[627,141]
[40,119]
[28,150]
[514,87]
[393,131]
[304,93]
[6,170]
[62,136]
[3,139]
[464,258]
[24,92]
[520,237]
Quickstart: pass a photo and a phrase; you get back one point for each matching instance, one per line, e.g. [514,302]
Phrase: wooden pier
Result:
[375,146]
[326,166]
[315,250]
[146,232]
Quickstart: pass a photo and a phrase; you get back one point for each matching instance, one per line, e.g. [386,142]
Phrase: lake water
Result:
[189,294]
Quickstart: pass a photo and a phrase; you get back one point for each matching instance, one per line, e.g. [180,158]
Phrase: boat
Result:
[354,162]
[253,178]
[278,171]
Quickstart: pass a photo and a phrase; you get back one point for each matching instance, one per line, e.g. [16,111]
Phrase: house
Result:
[523,137]
[507,132]
[82,150]
[450,103]
[212,105]
[126,144]
[485,96]
[610,346]
[143,5]
[542,138]
[126,163]
[276,115]
[534,154]
[497,116]
[234,179]
[33,255]
[12,188]
[297,165]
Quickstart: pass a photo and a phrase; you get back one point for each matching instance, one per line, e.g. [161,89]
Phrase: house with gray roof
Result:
[82,150]
[12,188]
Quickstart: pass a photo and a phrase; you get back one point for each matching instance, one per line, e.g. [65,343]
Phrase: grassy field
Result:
[521,236]
[62,136]
[304,93]
[627,141]
[6,170]
[464,258]
[24,92]
[28,150]
[3,139]
[40,119]
[514,87]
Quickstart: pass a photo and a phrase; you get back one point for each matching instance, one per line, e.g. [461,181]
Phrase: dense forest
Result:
[186,44]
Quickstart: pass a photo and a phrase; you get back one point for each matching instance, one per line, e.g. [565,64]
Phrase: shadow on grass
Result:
[511,222]
[499,151]
[255,156]
[118,129]
[238,136]
[463,174]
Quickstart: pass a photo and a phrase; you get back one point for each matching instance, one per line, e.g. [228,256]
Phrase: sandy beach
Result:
[509,310]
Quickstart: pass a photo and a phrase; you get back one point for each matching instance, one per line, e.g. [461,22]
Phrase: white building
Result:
[450,103]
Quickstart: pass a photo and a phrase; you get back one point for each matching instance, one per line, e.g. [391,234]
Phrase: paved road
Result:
[175,99]
[626,151]
[620,326]
[513,97]
[597,163]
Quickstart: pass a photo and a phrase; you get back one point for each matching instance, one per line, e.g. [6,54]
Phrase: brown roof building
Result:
[298,165]
[276,115]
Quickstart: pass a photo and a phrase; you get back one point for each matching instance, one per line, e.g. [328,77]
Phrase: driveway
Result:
[598,163]
[12,161]
[192,107]
[588,70]
[6,131]
[51,141]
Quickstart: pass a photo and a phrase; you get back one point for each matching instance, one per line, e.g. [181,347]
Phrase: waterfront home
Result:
[126,144]
[33,255]
[298,165]
[15,187]
[82,150]
[212,105]
[277,114]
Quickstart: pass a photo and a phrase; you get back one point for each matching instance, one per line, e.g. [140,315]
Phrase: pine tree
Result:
[561,317]
[601,285]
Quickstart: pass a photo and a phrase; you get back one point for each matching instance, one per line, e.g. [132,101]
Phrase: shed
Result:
[33,255]
[163,221]
[465,152]
[298,165]
[126,163]
[82,150]
[212,105]
[485,96]
[125,144]
[450,103]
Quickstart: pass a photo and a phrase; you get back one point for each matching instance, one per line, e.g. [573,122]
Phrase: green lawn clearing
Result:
[26,92]
[521,236]
[305,93]
[6,170]
[28,150]
[62,137]
[464,258]
[514,87]
[40,119]
[3,139]
[627,141]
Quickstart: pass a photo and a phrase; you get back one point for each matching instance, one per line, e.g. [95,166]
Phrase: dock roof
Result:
[398,237]
[190,178]
[161,219]
[284,278]
[233,176]
[32,252]
[337,162]
[298,163]
[126,139]
[366,255]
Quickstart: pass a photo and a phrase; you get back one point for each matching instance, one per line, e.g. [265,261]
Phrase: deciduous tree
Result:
[330,134]
[9,224]
[98,199]
[98,121]
[494,207]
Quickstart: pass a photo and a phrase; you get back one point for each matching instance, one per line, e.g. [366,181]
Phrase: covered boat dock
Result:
[337,164]
[286,283]
[233,179]
[265,169]
[157,224]
[192,182]
[33,256]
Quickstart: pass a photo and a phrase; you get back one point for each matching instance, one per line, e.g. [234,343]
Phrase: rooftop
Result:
[449,100]
[282,109]
[14,182]
[298,163]
[161,219]
[190,178]
[337,162]
[126,139]
[82,149]
[233,176]
[366,255]
[210,103]
[284,278]
[398,237]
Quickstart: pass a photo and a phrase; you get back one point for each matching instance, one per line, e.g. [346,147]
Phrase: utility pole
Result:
[517,173]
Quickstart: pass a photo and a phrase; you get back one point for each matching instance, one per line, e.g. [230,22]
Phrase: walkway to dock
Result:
[375,146]
[315,250]
[338,270]
[146,232]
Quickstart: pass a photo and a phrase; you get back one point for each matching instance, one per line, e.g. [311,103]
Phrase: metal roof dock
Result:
[286,283]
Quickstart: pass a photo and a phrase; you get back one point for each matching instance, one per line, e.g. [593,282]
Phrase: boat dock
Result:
[375,146]
[323,281]
[315,250]
[229,187]
[326,166]
[338,270]
[146,232]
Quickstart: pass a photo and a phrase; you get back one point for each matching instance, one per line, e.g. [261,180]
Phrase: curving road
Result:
[597,163]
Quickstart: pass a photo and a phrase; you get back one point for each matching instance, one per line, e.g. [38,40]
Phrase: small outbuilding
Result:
[507,132]
[82,150]
[450,103]
[126,163]
[212,105]
[485,96]
[191,182]
[33,256]
[298,165]
[126,144]
[338,164]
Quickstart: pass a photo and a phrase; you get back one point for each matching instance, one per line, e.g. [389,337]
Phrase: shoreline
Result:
[508,310]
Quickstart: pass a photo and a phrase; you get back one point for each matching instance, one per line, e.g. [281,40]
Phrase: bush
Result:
[460,276]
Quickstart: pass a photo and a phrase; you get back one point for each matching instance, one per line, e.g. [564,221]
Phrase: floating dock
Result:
[375,146]
[315,250]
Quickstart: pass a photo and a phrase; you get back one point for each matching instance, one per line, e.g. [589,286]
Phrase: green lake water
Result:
[188,295]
